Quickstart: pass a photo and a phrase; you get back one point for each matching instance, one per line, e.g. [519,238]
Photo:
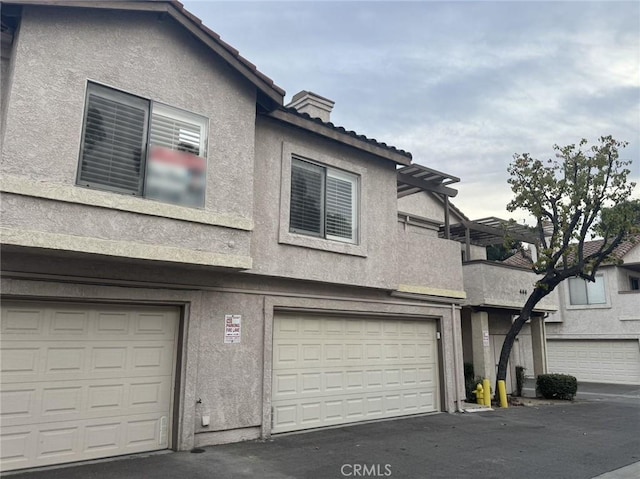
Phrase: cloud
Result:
[462,85]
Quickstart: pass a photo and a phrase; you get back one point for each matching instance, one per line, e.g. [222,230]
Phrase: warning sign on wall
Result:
[232,325]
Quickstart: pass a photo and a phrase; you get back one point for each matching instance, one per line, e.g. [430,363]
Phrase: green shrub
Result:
[470,382]
[557,386]
[469,386]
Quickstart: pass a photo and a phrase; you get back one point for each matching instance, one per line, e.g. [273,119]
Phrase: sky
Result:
[461,85]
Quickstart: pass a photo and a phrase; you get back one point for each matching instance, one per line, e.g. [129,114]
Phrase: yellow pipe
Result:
[486,386]
[502,389]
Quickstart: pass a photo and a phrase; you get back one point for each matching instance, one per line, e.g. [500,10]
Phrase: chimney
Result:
[312,104]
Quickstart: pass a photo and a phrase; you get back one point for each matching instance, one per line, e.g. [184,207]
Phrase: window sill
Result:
[587,306]
[115,201]
[322,244]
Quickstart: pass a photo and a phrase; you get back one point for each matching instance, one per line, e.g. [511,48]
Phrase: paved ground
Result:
[595,434]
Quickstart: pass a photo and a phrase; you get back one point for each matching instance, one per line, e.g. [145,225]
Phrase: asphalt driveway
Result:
[595,434]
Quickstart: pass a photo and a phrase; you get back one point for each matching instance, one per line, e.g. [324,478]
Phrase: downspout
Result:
[467,241]
[447,227]
[455,357]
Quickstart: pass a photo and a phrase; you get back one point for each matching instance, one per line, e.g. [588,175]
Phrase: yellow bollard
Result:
[502,390]
[486,386]
[479,394]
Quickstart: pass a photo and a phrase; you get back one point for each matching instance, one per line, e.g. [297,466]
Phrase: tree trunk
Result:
[525,314]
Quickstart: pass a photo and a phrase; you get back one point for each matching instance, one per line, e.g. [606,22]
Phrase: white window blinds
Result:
[307,195]
[113,143]
[132,145]
[323,202]
[340,206]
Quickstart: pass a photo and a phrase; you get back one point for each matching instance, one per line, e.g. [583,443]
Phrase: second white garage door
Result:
[329,371]
[606,361]
[83,381]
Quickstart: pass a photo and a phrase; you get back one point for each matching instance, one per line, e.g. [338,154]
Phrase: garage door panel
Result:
[378,368]
[305,383]
[73,322]
[320,354]
[607,361]
[84,381]
[53,443]
[40,360]
[353,408]
[33,403]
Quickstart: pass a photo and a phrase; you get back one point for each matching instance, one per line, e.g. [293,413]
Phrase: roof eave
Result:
[344,138]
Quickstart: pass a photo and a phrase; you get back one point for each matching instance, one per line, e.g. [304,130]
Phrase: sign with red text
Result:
[232,325]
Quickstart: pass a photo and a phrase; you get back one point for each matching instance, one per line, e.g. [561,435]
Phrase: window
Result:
[136,146]
[635,283]
[323,202]
[582,291]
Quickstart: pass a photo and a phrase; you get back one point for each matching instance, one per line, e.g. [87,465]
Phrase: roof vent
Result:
[312,104]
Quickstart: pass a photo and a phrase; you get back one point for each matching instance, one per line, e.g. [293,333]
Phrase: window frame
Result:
[328,172]
[150,106]
[333,159]
[586,284]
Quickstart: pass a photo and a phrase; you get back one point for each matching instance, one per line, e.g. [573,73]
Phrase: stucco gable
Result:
[428,205]
[270,96]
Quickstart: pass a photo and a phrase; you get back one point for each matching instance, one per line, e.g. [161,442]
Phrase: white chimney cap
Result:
[313,104]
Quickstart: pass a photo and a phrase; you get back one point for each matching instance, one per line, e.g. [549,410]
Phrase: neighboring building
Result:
[596,334]
[495,291]
[188,262]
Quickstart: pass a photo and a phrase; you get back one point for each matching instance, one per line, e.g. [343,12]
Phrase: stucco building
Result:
[595,335]
[187,261]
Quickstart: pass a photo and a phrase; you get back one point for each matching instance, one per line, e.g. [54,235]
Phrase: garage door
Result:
[84,381]
[329,371]
[614,361]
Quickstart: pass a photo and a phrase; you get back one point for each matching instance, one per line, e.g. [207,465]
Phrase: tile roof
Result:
[622,249]
[180,7]
[522,259]
[350,133]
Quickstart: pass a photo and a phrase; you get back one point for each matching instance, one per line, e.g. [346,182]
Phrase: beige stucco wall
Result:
[276,252]
[494,284]
[426,205]
[619,317]
[424,260]
[633,256]
[228,382]
[57,51]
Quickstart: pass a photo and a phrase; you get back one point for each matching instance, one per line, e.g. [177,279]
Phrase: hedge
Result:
[557,386]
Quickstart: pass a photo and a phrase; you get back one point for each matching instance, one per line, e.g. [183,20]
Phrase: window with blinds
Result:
[136,146]
[323,202]
[583,292]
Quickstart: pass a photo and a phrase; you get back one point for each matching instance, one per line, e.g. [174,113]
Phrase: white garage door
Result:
[613,361]
[329,371]
[84,381]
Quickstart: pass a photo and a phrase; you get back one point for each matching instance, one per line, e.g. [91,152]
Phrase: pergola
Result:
[415,178]
[483,232]
[488,231]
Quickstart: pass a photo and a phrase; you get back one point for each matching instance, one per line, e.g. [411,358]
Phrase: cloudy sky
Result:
[461,85]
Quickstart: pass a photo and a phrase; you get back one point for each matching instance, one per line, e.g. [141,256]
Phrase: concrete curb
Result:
[632,471]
